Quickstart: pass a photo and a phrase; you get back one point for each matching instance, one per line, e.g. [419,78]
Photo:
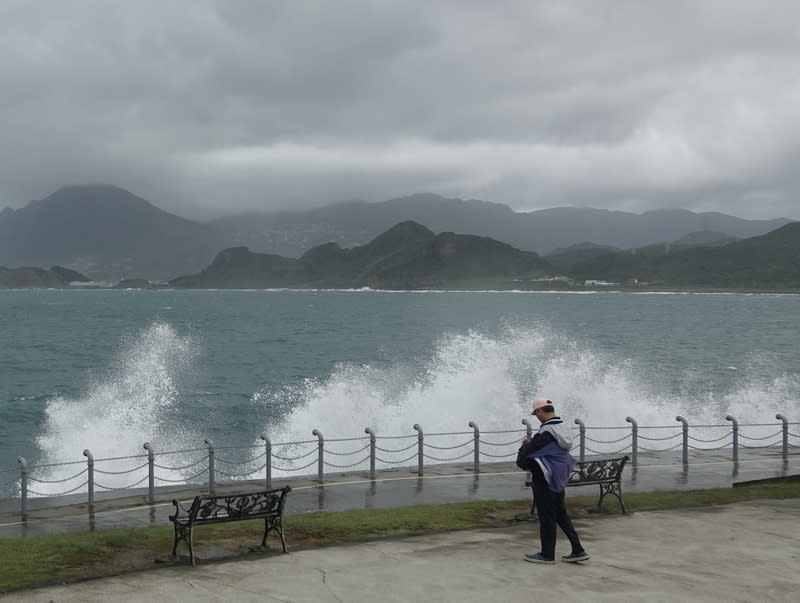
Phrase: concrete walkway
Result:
[742,552]
[392,488]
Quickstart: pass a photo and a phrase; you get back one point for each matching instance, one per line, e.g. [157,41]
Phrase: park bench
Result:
[266,504]
[606,473]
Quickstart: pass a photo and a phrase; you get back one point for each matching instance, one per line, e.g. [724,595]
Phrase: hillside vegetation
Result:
[767,261]
[410,256]
[407,256]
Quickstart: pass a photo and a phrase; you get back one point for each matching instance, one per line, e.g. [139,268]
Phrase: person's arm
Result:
[539,440]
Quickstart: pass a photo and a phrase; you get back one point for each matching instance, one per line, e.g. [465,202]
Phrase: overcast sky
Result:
[207,107]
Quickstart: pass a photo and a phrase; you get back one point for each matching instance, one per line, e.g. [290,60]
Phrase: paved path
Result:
[742,552]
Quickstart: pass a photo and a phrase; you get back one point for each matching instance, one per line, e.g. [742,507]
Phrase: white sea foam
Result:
[467,376]
[120,410]
[490,380]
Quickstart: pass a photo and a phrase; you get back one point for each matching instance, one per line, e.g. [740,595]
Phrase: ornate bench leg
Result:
[274,523]
[280,531]
[614,488]
[267,528]
[602,496]
[175,544]
[619,496]
[183,532]
[190,542]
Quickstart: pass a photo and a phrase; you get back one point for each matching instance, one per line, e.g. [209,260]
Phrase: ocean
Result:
[108,370]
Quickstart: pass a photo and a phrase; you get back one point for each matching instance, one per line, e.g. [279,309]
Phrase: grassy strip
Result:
[52,559]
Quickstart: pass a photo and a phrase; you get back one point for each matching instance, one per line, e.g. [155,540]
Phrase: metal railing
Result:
[208,464]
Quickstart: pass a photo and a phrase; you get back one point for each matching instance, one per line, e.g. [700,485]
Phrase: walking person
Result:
[546,455]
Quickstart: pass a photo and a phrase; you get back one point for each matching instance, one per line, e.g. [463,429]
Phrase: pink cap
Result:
[539,402]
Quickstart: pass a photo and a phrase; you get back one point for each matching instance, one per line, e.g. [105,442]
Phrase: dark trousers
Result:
[552,512]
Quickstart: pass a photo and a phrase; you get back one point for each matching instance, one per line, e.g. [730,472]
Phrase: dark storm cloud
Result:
[208,107]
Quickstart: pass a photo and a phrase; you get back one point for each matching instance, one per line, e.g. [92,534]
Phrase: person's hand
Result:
[525,440]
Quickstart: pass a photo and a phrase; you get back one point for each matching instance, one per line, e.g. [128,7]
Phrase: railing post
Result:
[23,486]
[477,446]
[685,439]
[371,433]
[90,465]
[735,437]
[151,475]
[420,449]
[785,446]
[268,447]
[528,428]
[321,455]
[211,471]
[582,429]
[634,440]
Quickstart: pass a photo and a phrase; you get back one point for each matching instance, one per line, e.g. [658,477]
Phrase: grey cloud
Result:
[208,107]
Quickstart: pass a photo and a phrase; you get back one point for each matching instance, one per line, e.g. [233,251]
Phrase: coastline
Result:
[576,290]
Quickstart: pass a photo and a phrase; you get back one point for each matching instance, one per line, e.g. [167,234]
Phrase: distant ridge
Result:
[407,256]
[543,231]
[108,233]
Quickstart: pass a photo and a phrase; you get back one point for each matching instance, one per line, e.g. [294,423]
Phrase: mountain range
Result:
[108,233]
[411,256]
[407,256]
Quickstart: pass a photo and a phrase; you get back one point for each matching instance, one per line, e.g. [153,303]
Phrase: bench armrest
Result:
[178,509]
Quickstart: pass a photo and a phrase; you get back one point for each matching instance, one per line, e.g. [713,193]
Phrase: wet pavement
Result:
[392,488]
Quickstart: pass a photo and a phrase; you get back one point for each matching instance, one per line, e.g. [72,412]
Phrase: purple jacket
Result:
[556,464]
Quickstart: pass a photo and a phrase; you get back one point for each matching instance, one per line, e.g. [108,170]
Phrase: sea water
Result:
[108,370]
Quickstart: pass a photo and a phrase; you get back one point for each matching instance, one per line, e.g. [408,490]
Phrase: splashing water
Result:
[490,380]
[125,407]
[467,376]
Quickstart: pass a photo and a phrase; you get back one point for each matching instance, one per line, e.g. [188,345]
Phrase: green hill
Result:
[407,256]
[768,261]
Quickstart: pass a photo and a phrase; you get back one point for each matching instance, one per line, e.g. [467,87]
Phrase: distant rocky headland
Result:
[56,277]
[410,256]
[407,256]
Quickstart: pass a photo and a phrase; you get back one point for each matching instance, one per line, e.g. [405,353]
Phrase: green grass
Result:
[52,559]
